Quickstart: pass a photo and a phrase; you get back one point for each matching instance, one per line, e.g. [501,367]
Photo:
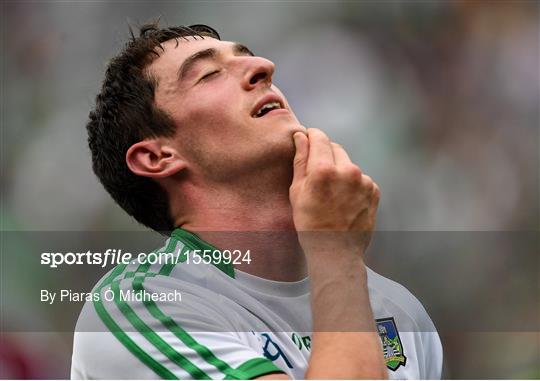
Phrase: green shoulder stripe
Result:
[185,337]
[144,267]
[190,242]
[159,369]
[195,243]
[130,345]
[154,338]
[168,267]
[255,368]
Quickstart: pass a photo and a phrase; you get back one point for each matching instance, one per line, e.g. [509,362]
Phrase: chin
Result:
[297,127]
[286,145]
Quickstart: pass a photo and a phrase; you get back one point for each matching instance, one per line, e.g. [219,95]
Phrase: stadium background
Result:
[437,101]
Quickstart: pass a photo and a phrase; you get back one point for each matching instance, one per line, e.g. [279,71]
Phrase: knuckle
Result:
[367,180]
[293,188]
[325,172]
[313,131]
[319,133]
[299,161]
[295,194]
[353,171]
[376,192]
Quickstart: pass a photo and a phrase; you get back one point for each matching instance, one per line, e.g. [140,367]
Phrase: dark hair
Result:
[124,114]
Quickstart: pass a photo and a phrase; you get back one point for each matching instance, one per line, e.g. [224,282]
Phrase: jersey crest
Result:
[392,346]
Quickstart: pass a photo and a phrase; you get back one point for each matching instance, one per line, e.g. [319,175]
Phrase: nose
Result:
[258,72]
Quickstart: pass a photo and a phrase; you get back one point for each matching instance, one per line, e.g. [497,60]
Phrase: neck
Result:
[251,215]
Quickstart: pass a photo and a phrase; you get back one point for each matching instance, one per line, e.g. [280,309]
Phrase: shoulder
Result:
[399,313]
[390,297]
[122,334]
[128,296]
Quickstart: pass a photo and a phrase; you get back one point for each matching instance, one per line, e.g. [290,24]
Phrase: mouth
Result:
[266,105]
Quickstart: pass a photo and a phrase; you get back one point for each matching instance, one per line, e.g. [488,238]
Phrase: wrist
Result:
[333,245]
[335,260]
[340,300]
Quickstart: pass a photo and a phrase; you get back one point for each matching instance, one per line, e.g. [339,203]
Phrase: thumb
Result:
[300,158]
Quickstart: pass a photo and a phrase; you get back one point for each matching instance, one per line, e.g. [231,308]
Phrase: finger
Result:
[340,155]
[375,198]
[320,150]
[377,194]
[301,143]
[367,182]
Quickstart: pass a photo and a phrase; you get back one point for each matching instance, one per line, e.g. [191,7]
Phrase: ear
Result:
[151,158]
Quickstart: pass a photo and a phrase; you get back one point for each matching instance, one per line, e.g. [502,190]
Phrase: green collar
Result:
[193,242]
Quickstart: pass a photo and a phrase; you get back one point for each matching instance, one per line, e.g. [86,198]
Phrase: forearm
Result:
[334,209]
[345,343]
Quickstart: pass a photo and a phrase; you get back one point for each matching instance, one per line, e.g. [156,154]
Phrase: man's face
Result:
[214,90]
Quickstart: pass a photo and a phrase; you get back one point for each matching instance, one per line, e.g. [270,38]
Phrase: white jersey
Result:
[210,321]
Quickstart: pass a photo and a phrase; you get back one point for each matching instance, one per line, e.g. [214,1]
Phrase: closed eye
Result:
[208,75]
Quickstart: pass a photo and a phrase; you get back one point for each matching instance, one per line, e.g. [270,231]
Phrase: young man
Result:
[190,137]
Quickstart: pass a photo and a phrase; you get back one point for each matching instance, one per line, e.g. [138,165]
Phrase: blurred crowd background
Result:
[438,101]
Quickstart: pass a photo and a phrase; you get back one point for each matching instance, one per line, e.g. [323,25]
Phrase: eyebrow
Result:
[209,54]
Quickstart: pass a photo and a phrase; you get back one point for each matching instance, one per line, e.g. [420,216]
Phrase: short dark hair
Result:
[125,113]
